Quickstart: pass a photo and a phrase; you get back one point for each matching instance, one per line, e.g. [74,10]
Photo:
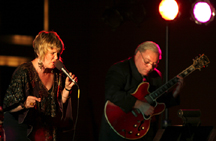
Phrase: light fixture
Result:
[202,12]
[124,11]
[168,9]
[112,17]
[190,117]
[13,61]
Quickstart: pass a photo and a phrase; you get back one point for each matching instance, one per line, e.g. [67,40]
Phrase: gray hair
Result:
[149,45]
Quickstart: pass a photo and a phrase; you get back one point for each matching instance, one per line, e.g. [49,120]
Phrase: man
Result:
[123,79]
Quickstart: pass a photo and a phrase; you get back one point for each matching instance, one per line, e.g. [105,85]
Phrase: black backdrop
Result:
[92,47]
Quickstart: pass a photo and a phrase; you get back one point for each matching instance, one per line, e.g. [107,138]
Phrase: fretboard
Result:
[157,93]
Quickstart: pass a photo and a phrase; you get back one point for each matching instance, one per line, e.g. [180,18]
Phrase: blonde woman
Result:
[38,96]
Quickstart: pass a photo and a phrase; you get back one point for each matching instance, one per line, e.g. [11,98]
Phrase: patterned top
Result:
[42,119]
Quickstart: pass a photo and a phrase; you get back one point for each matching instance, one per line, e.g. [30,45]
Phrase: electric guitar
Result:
[134,125]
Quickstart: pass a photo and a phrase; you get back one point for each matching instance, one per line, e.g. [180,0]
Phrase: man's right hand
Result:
[144,107]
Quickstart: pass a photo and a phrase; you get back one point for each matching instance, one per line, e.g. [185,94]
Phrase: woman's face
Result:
[50,57]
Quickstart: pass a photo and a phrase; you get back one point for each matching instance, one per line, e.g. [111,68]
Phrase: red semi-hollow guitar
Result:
[134,125]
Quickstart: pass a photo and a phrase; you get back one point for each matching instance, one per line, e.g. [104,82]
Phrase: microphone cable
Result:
[60,66]
[75,124]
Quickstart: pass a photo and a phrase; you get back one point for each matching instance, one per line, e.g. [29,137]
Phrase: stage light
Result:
[168,9]
[112,17]
[202,12]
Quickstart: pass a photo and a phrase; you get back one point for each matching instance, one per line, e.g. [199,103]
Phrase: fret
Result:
[187,71]
[154,95]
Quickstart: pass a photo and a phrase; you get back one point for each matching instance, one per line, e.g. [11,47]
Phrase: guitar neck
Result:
[157,93]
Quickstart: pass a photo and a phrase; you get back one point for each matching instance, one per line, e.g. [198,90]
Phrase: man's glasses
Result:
[147,62]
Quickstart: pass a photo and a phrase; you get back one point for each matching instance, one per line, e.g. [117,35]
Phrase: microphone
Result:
[59,65]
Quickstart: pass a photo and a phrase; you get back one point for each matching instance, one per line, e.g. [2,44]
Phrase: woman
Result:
[37,101]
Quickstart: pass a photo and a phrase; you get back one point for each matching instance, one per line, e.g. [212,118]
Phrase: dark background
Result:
[92,46]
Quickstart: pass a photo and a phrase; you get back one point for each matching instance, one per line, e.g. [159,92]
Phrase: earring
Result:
[40,64]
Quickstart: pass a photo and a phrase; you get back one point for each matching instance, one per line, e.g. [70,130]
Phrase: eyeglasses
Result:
[147,62]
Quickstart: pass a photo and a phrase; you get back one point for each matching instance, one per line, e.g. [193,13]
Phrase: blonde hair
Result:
[45,40]
[149,45]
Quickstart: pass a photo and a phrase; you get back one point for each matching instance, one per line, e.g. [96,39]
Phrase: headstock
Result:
[201,62]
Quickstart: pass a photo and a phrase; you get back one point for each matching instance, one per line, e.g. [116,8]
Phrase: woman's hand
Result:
[68,83]
[68,86]
[31,101]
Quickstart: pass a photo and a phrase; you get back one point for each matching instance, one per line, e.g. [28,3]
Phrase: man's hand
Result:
[144,107]
[178,87]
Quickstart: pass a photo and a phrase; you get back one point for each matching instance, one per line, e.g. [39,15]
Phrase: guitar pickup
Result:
[134,112]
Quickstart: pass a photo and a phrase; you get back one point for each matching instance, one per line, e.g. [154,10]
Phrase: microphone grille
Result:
[58,64]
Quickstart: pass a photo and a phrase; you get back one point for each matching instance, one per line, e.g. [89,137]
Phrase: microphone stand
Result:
[166,122]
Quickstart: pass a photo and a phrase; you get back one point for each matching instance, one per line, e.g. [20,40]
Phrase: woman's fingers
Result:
[31,101]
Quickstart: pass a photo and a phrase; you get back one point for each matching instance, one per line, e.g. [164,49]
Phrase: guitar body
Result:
[131,125]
